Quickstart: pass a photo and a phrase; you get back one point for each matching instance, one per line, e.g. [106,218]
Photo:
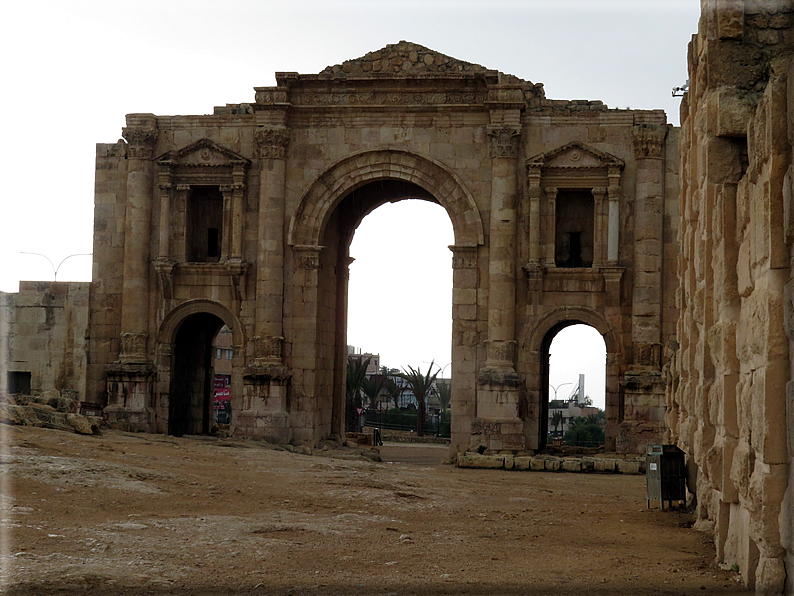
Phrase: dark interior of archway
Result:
[333,278]
[190,398]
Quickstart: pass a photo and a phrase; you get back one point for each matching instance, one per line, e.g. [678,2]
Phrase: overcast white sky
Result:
[72,69]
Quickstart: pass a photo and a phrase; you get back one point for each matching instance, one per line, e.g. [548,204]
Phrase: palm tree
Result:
[371,386]
[444,395]
[356,373]
[394,391]
[421,385]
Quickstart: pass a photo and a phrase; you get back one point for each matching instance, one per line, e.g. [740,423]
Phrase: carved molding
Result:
[504,140]
[464,257]
[398,98]
[307,256]
[501,351]
[270,95]
[648,141]
[268,347]
[141,142]
[272,143]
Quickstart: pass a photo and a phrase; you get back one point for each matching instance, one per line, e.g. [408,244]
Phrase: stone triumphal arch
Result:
[563,212]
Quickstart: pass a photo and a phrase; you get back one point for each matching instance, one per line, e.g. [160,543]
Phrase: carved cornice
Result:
[391,98]
[272,143]
[648,140]
[504,140]
[270,95]
[140,142]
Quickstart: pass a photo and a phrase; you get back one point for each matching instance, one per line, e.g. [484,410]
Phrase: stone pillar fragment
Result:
[648,229]
[497,425]
[265,392]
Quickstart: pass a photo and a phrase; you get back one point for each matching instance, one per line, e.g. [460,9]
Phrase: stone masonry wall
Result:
[729,396]
[43,330]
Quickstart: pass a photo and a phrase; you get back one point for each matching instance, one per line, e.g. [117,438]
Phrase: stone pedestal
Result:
[643,414]
[130,391]
[264,413]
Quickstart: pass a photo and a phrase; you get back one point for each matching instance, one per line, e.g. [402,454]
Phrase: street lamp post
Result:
[557,387]
[54,268]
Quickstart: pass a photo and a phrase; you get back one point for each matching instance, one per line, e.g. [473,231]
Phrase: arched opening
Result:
[574,382]
[191,395]
[399,307]
[576,386]
[320,233]
[344,222]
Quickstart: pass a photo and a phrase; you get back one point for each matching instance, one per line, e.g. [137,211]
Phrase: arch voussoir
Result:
[307,224]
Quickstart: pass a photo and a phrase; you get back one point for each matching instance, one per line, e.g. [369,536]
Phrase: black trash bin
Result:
[665,474]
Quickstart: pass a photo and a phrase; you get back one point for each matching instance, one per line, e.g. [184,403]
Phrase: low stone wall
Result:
[553,463]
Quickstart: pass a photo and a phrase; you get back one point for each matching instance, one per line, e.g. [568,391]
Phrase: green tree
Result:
[444,395]
[556,420]
[371,387]
[394,391]
[421,385]
[582,433]
[356,373]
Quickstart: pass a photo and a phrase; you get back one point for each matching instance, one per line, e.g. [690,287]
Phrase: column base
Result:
[264,413]
[496,435]
[130,391]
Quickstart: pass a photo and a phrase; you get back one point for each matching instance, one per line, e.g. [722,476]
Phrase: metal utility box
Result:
[665,474]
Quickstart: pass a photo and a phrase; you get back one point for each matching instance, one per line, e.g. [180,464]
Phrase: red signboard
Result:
[360,411]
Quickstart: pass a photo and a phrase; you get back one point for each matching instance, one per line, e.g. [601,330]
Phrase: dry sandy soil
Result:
[150,514]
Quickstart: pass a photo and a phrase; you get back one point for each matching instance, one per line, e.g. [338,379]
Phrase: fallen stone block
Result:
[588,464]
[475,460]
[521,462]
[628,467]
[604,465]
[553,464]
[571,464]
[537,464]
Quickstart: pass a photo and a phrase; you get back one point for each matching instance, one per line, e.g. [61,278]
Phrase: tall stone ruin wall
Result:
[729,398]
[43,331]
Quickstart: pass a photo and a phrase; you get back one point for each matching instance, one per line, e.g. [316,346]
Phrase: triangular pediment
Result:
[203,152]
[403,59]
[575,155]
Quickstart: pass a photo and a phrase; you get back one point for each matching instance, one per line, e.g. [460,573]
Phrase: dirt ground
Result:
[151,514]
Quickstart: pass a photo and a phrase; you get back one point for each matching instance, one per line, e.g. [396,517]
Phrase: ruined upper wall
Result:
[729,396]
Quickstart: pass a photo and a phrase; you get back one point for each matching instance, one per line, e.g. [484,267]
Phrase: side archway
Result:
[185,381]
[536,351]
[329,188]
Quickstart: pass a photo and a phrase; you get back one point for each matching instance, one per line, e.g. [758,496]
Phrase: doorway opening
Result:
[191,396]
[573,386]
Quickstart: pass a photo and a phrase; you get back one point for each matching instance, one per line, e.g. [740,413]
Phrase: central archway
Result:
[320,233]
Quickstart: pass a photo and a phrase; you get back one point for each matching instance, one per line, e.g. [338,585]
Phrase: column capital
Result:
[464,257]
[504,140]
[307,256]
[272,143]
[141,142]
[648,141]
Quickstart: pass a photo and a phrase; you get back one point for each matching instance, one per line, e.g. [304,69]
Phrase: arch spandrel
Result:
[318,202]
[572,315]
[176,317]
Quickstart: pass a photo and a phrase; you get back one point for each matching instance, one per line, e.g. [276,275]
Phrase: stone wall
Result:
[730,392]
[43,330]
